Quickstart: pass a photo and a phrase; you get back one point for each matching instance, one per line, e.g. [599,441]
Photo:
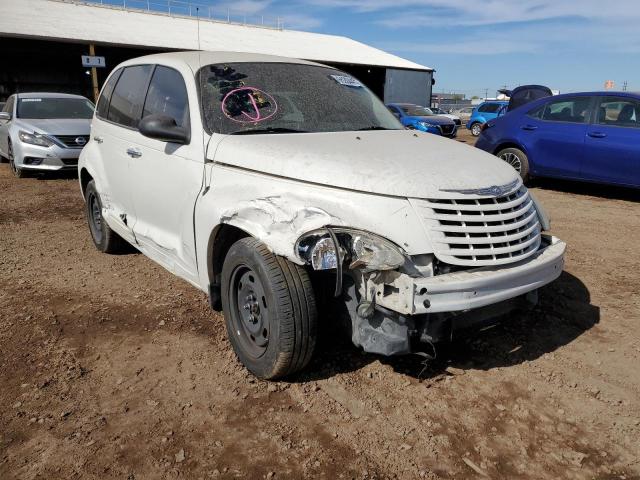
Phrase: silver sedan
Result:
[44,131]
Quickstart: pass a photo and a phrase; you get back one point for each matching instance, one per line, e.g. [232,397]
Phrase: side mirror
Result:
[164,128]
[5,116]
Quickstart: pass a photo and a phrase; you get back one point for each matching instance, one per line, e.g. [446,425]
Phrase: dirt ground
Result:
[110,367]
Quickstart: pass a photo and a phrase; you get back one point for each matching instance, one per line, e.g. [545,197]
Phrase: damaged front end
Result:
[399,304]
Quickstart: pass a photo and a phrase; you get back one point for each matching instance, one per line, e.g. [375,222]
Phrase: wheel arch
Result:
[220,240]
[509,144]
[85,178]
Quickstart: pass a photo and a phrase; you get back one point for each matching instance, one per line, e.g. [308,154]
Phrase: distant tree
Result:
[475,97]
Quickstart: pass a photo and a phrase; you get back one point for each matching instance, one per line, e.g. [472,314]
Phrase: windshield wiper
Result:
[374,127]
[269,130]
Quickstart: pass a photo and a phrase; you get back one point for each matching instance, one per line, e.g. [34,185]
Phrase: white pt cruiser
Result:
[278,185]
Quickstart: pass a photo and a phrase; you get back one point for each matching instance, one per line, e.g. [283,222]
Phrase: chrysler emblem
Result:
[493,190]
[80,140]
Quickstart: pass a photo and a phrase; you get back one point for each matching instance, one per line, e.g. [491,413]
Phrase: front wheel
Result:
[269,310]
[17,172]
[517,159]
[476,128]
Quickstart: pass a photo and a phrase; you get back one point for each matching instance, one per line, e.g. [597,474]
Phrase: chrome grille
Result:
[71,141]
[484,230]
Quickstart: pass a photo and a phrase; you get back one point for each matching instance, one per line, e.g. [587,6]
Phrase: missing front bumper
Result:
[410,310]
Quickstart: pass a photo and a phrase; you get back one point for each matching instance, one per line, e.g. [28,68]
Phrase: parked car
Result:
[464,113]
[422,118]
[44,131]
[483,113]
[442,113]
[583,136]
[279,186]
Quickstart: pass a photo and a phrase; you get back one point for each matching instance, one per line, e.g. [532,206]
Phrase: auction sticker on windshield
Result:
[347,81]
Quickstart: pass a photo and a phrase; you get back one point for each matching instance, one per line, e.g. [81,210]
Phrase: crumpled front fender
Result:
[278,221]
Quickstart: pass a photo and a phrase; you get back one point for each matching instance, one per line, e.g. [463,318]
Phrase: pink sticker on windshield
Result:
[248,105]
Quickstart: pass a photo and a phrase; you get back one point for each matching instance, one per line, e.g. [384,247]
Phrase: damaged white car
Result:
[277,184]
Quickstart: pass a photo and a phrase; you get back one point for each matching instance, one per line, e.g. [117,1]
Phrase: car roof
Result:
[406,105]
[606,93]
[194,59]
[48,95]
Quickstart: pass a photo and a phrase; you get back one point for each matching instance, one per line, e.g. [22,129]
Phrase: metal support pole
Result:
[94,75]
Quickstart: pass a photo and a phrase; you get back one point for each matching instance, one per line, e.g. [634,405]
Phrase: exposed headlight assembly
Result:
[34,139]
[362,250]
[545,221]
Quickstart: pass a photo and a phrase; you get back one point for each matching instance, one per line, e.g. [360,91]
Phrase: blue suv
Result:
[422,118]
[483,113]
[591,136]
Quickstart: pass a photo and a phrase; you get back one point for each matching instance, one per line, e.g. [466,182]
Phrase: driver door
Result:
[168,178]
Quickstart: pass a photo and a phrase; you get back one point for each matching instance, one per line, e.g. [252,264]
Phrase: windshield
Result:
[416,111]
[44,108]
[282,97]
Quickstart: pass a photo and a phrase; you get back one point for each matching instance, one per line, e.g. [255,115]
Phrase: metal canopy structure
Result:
[132,28]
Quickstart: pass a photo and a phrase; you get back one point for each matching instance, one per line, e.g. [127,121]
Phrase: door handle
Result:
[134,152]
[98,139]
[597,134]
[529,127]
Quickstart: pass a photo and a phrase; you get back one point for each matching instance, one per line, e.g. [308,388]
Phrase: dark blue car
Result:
[581,136]
[422,118]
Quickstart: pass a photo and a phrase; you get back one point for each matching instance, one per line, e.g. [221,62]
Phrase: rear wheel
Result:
[269,310]
[476,128]
[517,159]
[17,172]
[105,239]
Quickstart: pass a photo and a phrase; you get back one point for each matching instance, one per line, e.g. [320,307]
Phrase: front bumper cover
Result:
[470,289]
[51,158]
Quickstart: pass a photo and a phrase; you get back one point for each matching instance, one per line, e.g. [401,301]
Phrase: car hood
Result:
[433,119]
[56,126]
[400,163]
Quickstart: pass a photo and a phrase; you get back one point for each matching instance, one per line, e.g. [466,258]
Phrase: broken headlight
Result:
[359,249]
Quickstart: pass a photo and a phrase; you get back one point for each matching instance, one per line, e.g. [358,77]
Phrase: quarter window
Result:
[619,112]
[103,102]
[572,110]
[128,96]
[167,95]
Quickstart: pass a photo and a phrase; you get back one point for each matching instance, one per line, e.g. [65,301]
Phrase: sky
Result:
[477,45]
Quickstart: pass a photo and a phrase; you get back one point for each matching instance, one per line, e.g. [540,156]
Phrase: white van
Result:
[279,185]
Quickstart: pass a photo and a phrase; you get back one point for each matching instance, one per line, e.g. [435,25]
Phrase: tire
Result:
[105,239]
[269,310]
[517,159]
[476,128]
[17,172]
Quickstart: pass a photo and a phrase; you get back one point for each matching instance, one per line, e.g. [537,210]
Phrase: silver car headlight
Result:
[34,139]
[363,250]
[545,221]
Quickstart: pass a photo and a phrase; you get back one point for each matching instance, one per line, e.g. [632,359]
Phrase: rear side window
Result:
[619,112]
[167,95]
[128,96]
[103,102]
[489,107]
[572,110]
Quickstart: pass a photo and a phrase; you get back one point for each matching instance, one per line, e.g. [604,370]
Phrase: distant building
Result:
[42,41]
